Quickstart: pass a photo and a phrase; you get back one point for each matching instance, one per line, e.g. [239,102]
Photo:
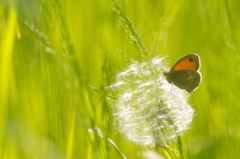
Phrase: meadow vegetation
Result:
[59,57]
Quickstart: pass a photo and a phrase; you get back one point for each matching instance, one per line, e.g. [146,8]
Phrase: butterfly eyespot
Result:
[190,59]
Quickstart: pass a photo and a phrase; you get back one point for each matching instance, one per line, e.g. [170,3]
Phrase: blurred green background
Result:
[51,49]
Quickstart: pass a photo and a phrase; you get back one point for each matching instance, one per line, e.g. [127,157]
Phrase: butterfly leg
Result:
[171,88]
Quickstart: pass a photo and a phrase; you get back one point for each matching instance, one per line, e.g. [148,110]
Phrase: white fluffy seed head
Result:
[149,110]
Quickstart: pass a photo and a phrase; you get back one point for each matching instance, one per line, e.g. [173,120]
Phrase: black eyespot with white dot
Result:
[190,59]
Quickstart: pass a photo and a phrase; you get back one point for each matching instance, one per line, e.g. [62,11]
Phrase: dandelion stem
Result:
[180,146]
[168,151]
[179,140]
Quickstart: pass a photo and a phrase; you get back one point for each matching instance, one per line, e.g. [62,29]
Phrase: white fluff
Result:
[147,104]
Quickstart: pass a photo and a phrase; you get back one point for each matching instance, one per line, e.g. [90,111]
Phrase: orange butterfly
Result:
[185,73]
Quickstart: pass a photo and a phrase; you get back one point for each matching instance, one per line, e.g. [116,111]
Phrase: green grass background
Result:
[51,49]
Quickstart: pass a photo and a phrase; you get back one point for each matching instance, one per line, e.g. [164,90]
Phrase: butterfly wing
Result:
[184,73]
[186,79]
[188,62]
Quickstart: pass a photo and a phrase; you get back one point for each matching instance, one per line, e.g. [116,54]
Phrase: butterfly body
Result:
[185,73]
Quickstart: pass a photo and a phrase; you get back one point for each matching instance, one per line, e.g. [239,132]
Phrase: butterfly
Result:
[185,73]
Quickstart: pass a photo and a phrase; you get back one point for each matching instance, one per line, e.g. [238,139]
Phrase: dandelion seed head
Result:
[149,110]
